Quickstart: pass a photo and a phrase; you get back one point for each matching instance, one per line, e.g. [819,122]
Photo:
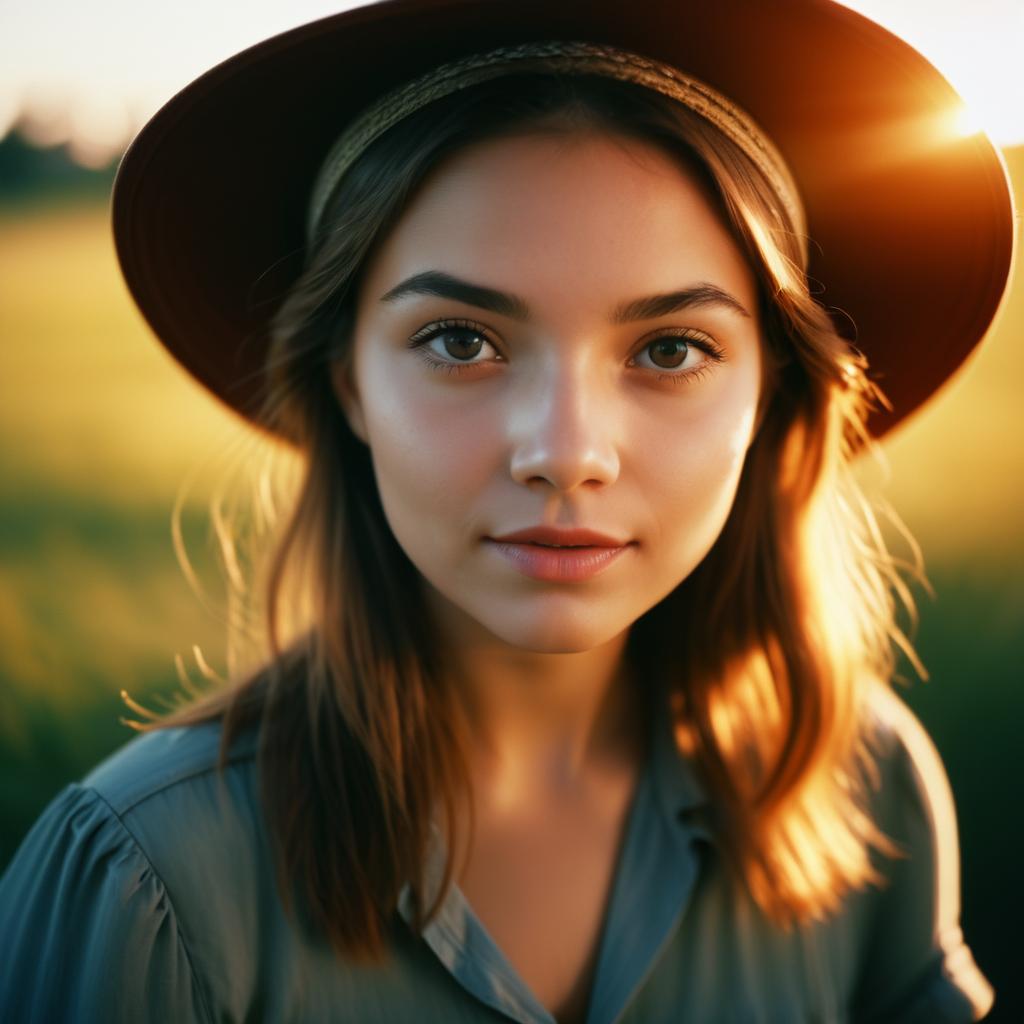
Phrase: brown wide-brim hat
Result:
[911,222]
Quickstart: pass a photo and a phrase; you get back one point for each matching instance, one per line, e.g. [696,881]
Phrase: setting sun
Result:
[977,46]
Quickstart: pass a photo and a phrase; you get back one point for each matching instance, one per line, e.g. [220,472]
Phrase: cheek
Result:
[692,476]
[431,455]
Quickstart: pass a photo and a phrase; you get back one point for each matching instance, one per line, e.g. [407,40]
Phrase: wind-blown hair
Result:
[769,650]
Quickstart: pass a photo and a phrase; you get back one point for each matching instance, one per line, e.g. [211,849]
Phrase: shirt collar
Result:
[462,943]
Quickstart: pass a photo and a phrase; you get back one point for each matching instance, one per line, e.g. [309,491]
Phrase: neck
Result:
[545,726]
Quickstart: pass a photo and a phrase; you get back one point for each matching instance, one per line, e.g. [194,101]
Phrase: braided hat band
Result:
[587,58]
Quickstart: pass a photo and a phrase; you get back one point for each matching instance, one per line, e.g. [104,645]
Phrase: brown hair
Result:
[787,624]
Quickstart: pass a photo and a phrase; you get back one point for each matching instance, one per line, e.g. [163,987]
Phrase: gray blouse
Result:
[146,893]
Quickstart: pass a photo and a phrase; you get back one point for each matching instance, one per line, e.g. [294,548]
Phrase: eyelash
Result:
[426,334]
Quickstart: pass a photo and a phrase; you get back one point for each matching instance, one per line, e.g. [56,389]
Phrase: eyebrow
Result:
[436,282]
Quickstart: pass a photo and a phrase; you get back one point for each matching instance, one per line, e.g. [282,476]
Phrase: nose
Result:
[563,429]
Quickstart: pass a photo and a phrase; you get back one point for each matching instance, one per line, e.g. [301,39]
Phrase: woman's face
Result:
[546,399]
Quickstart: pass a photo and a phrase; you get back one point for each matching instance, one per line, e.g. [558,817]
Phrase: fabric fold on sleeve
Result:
[87,930]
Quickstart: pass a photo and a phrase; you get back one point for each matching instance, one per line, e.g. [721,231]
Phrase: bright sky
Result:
[93,72]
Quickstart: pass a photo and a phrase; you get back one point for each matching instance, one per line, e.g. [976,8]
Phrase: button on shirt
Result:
[146,892]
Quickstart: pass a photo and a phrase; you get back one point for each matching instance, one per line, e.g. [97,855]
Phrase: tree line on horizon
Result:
[29,172]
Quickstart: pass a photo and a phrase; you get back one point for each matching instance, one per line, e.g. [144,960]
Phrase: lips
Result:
[567,555]
[553,537]
[551,564]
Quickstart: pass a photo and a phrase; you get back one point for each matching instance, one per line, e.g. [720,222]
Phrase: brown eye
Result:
[684,357]
[669,353]
[460,342]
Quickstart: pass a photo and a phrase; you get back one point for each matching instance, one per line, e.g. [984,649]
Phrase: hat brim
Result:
[911,223]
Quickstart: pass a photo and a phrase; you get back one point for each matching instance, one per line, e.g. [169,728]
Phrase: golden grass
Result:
[90,399]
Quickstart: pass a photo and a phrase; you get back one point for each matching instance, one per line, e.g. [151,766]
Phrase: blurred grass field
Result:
[98,429]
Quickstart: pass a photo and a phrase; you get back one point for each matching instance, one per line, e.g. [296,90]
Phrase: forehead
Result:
[608,215]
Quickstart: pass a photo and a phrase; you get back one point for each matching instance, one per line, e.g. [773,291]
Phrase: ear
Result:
[344,386]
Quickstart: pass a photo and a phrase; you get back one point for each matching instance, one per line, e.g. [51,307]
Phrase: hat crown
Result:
[566,56]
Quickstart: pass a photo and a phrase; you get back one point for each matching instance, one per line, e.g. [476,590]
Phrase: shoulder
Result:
[199,828]
[132,882]
[911,776]
[896,732]
[169,796]
[916,964]
[912,805]
[171,763]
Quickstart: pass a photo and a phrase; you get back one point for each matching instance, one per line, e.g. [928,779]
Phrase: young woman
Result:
[577,700]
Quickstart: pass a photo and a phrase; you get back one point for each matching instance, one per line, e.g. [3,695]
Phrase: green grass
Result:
[92,600]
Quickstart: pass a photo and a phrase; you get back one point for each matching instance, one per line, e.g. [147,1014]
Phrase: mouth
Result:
[548,546]
[576,537]
[558,563]
[568,547]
